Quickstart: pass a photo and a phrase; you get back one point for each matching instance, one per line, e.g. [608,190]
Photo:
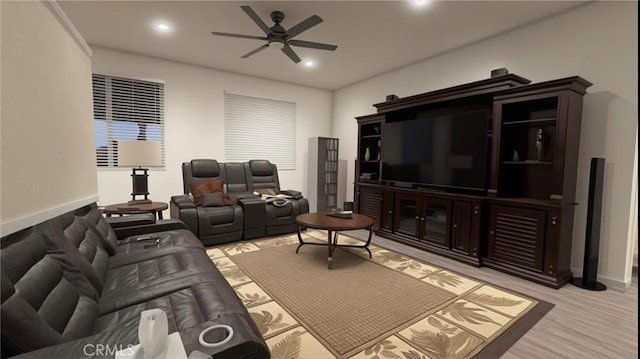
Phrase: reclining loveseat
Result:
[73,284]
[246,216]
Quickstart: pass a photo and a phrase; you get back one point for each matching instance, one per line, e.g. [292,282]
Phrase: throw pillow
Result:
[213,199]
[198,189]
[217,186]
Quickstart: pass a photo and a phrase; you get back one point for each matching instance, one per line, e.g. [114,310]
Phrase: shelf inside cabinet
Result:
[371,136]
[527,162]
[540,121]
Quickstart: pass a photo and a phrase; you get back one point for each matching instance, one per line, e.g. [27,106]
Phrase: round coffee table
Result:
[125,208]
[332,225]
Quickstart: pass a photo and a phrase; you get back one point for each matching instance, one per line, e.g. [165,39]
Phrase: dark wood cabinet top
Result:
[481,87]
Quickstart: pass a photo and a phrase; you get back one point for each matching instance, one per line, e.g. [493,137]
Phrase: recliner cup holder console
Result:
[215,336]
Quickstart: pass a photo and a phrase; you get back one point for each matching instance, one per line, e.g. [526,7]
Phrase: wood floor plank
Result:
[582,325]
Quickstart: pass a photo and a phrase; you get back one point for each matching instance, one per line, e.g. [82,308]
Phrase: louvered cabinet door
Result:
[370,203]
[516,236]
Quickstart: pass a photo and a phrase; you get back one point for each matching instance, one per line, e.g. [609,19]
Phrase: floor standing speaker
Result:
[589,278]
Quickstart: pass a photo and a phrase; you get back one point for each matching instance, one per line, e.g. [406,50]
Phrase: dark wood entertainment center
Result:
[522,222]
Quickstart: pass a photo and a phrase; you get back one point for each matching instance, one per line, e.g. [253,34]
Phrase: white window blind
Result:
[258,128]
[126,109]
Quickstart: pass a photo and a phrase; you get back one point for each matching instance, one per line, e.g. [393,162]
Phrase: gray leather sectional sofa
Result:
[73,284]
[221,224]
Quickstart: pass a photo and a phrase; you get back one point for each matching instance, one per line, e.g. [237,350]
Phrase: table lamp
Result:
[138,154]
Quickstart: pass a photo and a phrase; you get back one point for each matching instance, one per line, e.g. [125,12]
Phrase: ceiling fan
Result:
[278,34]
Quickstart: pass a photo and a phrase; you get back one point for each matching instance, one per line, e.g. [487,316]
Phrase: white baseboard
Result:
[16,224]
[609,282]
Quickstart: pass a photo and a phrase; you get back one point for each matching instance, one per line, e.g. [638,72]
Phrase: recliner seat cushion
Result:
[180,238]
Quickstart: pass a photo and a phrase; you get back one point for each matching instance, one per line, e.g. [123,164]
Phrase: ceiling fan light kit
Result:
[279,35]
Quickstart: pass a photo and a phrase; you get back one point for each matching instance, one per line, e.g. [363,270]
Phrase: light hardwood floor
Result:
[582,325]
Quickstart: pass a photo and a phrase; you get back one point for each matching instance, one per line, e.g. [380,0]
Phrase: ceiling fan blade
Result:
[289,52]
[304,25]
[238,35]
[312,45]
[255,51]
[252,14]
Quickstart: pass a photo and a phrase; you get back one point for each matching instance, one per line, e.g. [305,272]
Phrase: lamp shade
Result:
[139,154]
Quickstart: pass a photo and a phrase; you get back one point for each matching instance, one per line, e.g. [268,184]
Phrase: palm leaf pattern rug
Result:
[390,306]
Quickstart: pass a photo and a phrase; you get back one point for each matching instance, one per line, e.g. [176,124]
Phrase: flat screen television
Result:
[446,151]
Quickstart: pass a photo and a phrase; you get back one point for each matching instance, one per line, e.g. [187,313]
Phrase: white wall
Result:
[194,119]
[597,41]
[47,150]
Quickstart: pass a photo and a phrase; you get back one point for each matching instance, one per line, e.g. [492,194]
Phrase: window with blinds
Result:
[126,109]
[258,128]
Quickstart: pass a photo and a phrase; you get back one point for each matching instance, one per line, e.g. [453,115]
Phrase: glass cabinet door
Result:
[406,215]
[434,221]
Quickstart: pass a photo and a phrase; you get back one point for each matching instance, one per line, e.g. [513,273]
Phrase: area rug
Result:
[390,306]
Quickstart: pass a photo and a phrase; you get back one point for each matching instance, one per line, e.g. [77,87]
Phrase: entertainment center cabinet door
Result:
[369,201]
[407,215]
[516,237]
[461,228]
[435,217]
[387,211]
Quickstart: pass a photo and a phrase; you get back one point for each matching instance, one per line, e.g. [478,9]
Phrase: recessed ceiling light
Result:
[163,27]
[309,63]
[420,2]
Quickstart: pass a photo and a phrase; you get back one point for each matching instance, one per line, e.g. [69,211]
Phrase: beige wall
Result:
[47,133]
[194,119]
[597,41]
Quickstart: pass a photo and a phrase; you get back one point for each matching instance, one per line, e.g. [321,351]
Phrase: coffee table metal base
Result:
[332,243]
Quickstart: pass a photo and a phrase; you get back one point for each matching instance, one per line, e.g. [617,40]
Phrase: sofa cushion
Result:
[97,222]
[45,299]
[235,178]
[139,282]
[76,231]
[216,216]
[213,200]
[180,238]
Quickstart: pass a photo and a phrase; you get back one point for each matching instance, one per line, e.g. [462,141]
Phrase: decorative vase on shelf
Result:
[539,143]
[367,154]
[515,157]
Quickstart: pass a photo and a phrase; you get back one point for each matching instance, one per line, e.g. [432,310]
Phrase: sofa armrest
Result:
[100,345]
[159,226]
[292,193]
[131,220]
[183,199]
[245,343]
[182,208]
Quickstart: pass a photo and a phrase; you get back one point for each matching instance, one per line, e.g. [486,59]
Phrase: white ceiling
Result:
[373,37]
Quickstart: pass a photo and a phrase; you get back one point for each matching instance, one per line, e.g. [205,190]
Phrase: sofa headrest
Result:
[205,168]
[261,168]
